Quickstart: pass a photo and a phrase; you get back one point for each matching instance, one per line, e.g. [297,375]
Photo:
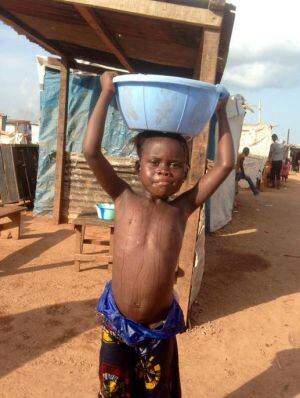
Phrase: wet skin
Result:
[148,234]
[149,228]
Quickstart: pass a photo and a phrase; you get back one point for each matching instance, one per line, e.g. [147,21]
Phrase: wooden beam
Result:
[54,62]
[31,34]
[61,142]
[109,60]
[208,52]
[226,32]
[157,10]
[98,70]
[83,67]
[215,5]
[102,32]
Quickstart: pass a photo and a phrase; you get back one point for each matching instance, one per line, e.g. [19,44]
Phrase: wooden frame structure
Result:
[188,38]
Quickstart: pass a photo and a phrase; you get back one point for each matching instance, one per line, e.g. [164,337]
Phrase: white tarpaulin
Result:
[221,202]
[257,137]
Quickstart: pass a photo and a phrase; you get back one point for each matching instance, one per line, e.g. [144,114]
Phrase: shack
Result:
[187,38]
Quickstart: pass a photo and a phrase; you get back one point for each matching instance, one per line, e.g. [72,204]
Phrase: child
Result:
[141,317]
[267,172]
[285,169]
[240,172]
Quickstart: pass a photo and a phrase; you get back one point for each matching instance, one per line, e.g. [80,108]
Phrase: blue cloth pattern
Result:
[133,333]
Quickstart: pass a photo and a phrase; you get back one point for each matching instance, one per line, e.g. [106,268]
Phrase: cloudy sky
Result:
[264,60]
[263,65]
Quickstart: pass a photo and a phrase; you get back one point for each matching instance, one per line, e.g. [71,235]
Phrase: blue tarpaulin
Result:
[83,94]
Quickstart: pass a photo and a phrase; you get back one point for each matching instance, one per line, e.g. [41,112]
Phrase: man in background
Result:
[276,155]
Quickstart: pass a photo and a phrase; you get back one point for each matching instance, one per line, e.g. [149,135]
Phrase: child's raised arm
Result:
[102,169]
[207,185]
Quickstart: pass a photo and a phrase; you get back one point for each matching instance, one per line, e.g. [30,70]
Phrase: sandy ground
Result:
[245,341]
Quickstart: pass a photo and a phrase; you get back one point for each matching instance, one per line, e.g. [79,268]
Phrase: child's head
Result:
[274,137]
[246,151]
[163,162]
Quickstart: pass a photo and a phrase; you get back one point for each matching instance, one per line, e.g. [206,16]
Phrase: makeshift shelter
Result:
[16,132]
[257,137]
[188,38]
[295,157]
[81,190]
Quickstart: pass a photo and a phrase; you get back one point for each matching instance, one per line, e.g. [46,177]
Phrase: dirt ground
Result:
[245,340]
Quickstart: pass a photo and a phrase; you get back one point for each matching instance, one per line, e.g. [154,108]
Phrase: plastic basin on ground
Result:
[166,103]
[105,211]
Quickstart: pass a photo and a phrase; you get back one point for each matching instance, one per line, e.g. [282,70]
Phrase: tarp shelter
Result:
[257,137]
[80,190]
[188,38]
[220,205]
[16,132]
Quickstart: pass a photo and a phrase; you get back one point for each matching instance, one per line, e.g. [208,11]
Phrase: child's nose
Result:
[164,170]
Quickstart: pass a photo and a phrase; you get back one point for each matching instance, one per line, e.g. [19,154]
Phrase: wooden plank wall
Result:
[81,189]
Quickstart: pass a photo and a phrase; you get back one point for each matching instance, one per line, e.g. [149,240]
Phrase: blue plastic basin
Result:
[166,103]
[105,211]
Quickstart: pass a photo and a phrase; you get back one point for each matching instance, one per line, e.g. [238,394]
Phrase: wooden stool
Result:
[80,223]
[13,213]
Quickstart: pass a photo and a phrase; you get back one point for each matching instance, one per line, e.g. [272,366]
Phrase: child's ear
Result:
[187,169]
[137,166]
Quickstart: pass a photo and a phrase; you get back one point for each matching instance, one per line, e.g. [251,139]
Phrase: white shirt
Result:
[276,151]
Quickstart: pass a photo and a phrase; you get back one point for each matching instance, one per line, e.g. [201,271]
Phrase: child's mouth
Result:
[162,183]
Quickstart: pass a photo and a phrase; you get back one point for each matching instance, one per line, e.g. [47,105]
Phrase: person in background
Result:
[266,173]
[240,172]
[285,151]
[276,157]
[285,169]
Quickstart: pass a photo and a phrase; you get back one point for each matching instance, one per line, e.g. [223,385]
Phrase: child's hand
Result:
[106,81]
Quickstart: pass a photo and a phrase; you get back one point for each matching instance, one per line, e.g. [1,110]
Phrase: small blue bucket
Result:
[105,211]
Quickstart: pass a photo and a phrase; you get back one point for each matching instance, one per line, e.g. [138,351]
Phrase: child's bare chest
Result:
[146,224]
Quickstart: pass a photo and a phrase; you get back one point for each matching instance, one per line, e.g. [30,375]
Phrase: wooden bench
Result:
[13,214]
[80,223]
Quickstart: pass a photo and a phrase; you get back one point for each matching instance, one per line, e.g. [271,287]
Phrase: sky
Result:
[263,65]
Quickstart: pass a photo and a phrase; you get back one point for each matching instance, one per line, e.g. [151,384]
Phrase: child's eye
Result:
[154,162]
[175,165]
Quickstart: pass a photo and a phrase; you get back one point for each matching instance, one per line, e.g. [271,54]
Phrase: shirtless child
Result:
[141,317]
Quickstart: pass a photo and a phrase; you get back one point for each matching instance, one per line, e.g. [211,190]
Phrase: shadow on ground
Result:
[12,263]
[253,260]
[29,334]
[281,379]
[230,284]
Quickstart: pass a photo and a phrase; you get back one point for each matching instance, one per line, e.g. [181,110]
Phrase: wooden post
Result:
[61,142]
[207,64]
[111,247]
[79,233]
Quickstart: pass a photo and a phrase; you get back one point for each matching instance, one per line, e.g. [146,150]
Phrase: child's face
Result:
[163,167]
